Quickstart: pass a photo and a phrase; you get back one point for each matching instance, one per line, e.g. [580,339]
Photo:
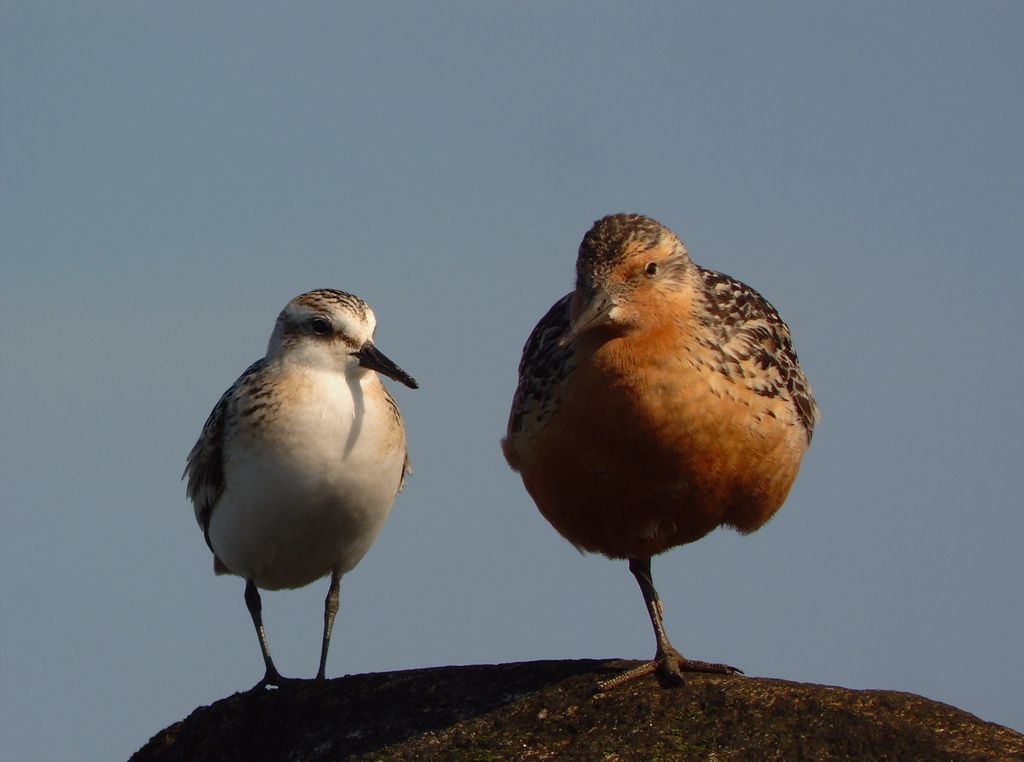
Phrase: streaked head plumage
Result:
[323,315]
[620,257]
[332,330]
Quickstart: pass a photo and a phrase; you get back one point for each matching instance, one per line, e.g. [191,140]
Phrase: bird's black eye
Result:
[652,269]
[320,326]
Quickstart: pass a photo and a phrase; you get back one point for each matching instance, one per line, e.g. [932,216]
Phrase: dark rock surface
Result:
[548,710]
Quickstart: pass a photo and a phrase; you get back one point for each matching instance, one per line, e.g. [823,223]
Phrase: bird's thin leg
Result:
[641,569]
[330,610]
[667,660]
[255,606]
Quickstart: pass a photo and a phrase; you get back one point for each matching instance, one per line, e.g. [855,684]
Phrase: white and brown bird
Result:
[300,461]
[656,402]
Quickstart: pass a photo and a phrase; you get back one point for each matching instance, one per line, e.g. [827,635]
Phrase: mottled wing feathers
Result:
[753,344]
[544,364]
[393,407]
[205,463]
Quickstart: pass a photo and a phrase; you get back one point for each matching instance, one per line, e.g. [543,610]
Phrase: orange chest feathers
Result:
[651,447]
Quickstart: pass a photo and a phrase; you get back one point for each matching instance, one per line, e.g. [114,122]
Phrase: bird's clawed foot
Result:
[274,679]
[669,665]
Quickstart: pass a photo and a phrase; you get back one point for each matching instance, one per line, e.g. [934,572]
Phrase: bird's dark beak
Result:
[592,313]
[372,358]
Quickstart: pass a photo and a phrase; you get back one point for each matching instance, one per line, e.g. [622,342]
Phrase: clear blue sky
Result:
[171,174]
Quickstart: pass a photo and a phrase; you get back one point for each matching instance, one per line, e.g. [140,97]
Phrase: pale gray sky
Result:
[172,174]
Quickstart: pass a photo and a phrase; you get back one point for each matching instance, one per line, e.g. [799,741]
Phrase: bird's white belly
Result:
[308,499]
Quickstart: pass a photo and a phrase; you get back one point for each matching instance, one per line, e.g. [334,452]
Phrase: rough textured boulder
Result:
[548,710]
